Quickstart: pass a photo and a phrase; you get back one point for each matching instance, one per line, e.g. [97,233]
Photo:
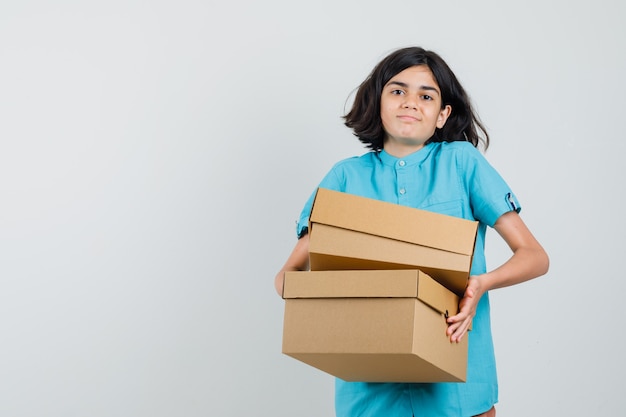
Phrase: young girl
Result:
[418,122]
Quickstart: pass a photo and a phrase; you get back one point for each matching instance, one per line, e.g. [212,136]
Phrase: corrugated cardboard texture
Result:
[348,232]
[379,330]
[408,224]
[371,284]
[332,248]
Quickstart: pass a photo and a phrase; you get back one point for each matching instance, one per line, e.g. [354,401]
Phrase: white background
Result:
[154,156]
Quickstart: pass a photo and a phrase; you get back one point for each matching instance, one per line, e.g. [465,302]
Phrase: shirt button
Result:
[402,163]
[402,191]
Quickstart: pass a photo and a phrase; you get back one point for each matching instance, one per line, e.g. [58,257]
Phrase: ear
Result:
[443,116]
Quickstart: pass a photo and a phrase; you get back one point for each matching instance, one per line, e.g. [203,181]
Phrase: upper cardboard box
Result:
[353,232]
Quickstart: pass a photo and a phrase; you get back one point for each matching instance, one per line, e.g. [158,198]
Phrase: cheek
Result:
[385,119]
[386,112]
[383,115]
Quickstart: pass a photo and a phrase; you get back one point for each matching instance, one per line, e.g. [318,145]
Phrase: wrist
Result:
[479,284]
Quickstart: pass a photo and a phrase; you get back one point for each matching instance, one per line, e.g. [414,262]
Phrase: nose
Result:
[409,102]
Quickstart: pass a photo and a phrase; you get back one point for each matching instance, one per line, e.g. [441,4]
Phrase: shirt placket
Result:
[402,185]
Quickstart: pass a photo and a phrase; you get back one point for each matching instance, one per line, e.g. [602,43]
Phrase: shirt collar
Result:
[414,158]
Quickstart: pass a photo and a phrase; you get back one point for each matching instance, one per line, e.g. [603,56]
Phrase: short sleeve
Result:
[331,181]
[490,195]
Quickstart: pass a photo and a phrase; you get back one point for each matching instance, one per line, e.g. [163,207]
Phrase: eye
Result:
[427,97]
[397,92]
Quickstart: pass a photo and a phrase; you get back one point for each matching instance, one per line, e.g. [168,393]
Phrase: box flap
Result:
[437,296]
[394,221]
[407,283]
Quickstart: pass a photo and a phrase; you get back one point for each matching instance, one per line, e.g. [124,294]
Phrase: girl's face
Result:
[410,109]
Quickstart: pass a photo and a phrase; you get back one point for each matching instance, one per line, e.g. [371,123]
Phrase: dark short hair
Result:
[364,118]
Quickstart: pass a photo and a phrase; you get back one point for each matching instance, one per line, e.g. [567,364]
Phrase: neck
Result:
[401,150]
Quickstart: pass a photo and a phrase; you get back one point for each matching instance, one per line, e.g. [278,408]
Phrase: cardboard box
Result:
[372,325]
[349,232]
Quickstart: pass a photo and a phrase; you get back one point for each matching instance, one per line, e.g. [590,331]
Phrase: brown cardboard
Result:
[372,325]
[349,232]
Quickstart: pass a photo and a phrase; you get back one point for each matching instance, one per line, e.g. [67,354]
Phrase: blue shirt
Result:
[451,178]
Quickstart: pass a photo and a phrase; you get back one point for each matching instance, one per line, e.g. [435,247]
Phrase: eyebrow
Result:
[421,87]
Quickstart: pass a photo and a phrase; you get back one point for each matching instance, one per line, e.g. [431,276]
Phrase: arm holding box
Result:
[529,260]
[298,260]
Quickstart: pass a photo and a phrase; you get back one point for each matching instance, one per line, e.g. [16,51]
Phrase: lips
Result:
[408,118]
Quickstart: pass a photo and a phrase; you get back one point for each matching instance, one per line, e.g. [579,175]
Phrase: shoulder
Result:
[354,162]
[460,148]
[352,167]
[460,152]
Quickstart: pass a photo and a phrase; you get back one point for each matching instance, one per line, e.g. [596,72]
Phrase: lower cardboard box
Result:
[372,325]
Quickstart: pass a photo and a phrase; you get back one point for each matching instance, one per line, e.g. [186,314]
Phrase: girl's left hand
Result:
[460,323]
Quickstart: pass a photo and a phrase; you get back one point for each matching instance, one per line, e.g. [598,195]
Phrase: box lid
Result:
[400,283]
[394,221]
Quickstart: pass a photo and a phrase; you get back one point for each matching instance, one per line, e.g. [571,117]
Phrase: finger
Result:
[457,336]
[454,332]
[463,314]
[460,332]
[454,327]
[457,320]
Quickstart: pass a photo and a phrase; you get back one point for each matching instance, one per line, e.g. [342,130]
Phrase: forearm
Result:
[298,260]
[525,264]
[529,260]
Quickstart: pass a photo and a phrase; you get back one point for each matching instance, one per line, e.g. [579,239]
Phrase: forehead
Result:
[417,76]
